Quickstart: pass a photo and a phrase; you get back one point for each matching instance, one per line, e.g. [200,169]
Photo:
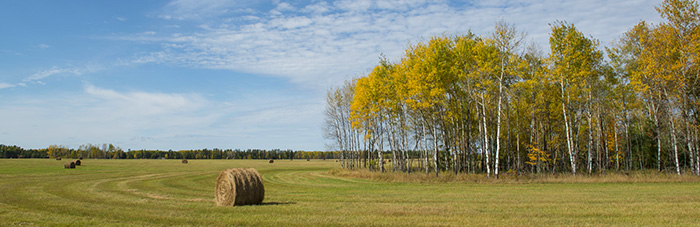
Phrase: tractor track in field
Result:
[307,177]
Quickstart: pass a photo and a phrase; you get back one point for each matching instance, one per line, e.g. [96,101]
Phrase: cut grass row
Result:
[166,192]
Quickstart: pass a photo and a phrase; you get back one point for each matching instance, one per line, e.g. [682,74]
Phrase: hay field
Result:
[301,193]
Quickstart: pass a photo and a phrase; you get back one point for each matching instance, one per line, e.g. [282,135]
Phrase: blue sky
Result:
[191,74]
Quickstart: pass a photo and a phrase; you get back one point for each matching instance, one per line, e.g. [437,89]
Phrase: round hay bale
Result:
[184,161]
[77,162]
[271,161]
[58,158]
[81,158]
[69,165]
[236,187]
[307,159]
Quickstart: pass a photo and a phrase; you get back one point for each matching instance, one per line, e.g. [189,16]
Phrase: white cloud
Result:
[283,6]
[143,103]
[38,76]
[353,5]
[6,85]
[317,8]
[321,44]
[314,45]
[154,120]
[43,46]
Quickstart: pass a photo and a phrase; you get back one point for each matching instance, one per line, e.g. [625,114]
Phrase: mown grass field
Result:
[301,193]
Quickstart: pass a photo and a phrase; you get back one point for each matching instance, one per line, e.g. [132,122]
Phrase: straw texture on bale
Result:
[77,162]
[236,187]
[184,161]
[69,165]
[271,161]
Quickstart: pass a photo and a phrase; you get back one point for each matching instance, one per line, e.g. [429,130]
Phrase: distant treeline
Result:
[109,151]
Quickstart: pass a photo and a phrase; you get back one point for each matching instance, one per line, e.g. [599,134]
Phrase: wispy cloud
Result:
[6,85]
[143,103]
[55,70]
[154,120]
[323,43]
[313,44]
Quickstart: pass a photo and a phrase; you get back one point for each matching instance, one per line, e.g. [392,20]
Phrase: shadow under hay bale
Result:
[69,165]
[271,161]
[184,161]
[77,162]
[236,187]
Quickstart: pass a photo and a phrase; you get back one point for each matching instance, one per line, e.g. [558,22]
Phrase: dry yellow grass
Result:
[445,177]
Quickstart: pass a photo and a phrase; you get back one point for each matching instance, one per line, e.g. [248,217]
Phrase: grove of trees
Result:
[488,104]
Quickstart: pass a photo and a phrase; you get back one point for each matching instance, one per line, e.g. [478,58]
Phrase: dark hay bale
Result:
[81,158]
[308,159]
[184,161]
[236,187]
[271,161]
[336,160]
[69,165]
[77,162]
[58,158]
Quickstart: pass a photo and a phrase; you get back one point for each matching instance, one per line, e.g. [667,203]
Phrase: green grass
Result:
[168,193]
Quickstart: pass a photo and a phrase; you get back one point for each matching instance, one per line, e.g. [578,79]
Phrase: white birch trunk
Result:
[486,137]
[498,129]
[590,138]
[572,159]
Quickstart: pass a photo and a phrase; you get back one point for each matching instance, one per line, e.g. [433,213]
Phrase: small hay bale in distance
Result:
[184,161]
[237,187]
[77,162]
[81,158]
[307,159]
[271,161]
[69,165]
[58,158]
